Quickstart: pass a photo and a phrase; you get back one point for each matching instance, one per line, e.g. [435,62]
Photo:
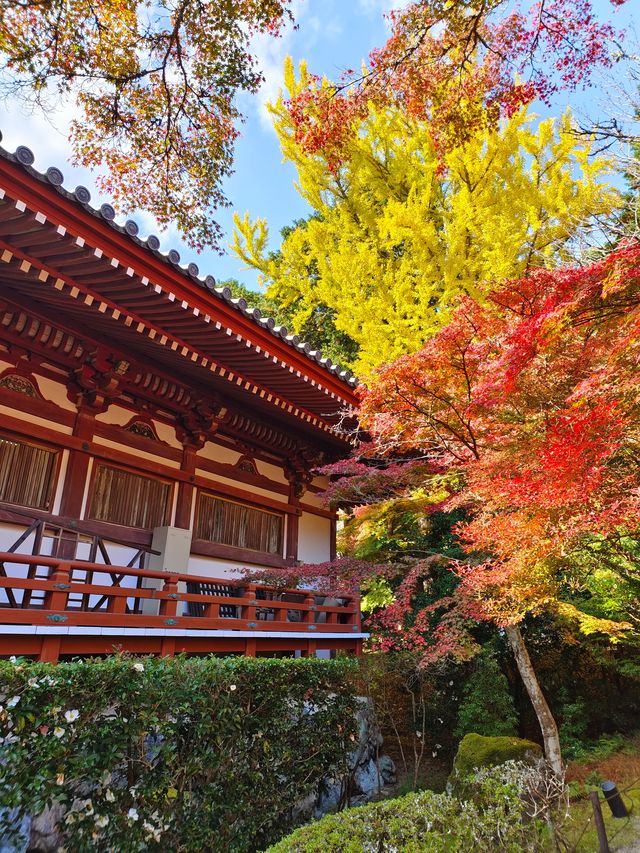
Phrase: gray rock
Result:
[367,780]
[387,769]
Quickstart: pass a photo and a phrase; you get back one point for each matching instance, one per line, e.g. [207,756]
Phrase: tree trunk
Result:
[543,712]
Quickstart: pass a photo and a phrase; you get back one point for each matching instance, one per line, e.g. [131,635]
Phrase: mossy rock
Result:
[476,751]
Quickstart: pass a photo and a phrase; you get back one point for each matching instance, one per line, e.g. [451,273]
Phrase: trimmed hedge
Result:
[426,823]
[170,753]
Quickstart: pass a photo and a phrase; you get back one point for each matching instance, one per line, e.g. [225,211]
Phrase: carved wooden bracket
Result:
[199,423]
[97,383]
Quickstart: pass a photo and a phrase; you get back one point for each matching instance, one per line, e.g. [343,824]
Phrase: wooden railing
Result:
[42,590]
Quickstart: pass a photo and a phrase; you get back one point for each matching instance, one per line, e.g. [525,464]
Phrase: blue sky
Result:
[331,35]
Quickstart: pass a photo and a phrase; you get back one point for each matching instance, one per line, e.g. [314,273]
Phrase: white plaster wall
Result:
[212,567]
[115,415]
[219,453]
[250,489]
[273,472]
[153,457]
[32,419]
[57,498]
[314,538]
[54,392]
[167,434]
[313,500]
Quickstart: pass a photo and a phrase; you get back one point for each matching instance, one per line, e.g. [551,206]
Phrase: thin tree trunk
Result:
[547,723]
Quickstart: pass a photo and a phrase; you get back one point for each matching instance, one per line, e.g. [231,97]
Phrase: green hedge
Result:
[170,754]
[425,822]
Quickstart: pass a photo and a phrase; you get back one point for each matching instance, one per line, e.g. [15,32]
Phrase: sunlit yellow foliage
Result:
[589,624]
[401,230]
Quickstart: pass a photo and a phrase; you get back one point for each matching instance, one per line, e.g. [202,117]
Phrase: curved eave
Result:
[62,209]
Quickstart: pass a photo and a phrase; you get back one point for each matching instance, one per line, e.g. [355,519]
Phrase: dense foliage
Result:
[402,229]
[495,818]
[487,706]
[170,754]
[461,64]
[156,86]
[530,406]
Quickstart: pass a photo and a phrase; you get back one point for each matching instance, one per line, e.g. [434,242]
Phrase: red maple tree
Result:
[526,411]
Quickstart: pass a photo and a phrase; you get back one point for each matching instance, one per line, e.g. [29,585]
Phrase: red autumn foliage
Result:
[531,403]
[459,68]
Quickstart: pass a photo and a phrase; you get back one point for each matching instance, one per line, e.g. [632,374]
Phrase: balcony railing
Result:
[37,590]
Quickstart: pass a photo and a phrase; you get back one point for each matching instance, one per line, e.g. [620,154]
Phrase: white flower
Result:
[132,814]
[101,820]
[233,687]
[32,682]
[58,731]
[13,702]
[139,667]
[60,779]
[87,805]
[70,818]
[109,796]
[13,659]
[70,716]
[418,734]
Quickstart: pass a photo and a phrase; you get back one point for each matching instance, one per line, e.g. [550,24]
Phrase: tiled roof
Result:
[81,196]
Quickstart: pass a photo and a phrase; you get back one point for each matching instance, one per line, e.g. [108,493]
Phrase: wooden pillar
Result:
[250,647]
[50,649]
[293,526]
[168,646]
[333,528]
[297,481]
[186,490]
[78,465]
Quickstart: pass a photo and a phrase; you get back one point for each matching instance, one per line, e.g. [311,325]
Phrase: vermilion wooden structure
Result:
[266,619]
[137,396]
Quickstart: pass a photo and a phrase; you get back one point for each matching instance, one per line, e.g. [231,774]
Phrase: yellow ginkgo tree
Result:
[402,225]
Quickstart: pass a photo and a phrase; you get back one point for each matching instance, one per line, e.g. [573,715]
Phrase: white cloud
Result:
[271,53]
[46,133]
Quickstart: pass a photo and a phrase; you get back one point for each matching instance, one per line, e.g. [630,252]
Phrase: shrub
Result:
[476,751]
[425,822]
[170,754]
[573,728]
[487,706]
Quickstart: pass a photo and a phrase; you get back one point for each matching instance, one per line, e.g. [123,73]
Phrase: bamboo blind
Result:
[26,473]
[241,526]
[124,498]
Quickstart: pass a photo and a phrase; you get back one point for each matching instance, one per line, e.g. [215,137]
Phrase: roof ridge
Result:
[24,157]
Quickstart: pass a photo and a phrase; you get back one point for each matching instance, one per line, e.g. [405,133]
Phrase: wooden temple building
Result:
[157,437]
